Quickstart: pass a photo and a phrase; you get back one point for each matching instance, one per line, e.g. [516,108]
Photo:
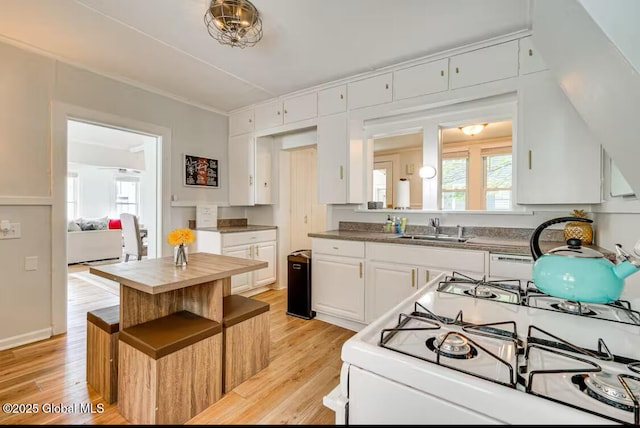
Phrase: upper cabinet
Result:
[269,115]
[421,79]
[484,65]
[371,91]
[301,108]
[530,60]
[241,122]
[332,100]
[558,157]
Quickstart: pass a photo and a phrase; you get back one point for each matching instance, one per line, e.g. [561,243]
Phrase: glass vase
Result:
[180,255]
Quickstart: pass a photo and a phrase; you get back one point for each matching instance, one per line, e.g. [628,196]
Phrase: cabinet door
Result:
[338,286]
[558,157]
[530,60]
[265,251]
[332,159]
[268,115]
[332,100]
[241,122]
[208,242]
[371,91]
[264,181]
[301,108]
[241,282]
[421,79]
[387,285]
[241,170]
[484,65]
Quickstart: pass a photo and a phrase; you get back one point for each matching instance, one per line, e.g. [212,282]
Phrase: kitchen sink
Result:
[438,237]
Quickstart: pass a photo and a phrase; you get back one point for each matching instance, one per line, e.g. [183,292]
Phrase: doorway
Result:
[111,171]
[306,214]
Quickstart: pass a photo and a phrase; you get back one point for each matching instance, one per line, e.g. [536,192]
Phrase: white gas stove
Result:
[464,351]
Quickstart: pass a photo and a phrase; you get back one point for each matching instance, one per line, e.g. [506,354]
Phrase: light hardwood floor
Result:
[304,366]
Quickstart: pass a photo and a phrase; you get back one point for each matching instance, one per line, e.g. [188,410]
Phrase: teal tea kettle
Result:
[578,273]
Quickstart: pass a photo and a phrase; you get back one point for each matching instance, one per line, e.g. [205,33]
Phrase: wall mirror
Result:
[476,166]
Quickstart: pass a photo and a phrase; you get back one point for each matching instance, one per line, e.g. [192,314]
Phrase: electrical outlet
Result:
[12,233]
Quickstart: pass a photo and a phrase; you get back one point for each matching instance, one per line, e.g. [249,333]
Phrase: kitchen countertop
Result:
[235,229]
[483,243]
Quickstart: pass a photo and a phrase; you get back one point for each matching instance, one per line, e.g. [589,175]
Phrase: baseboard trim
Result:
[340,322]
[23,339]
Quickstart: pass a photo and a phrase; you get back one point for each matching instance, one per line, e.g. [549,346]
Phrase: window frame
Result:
[126,178]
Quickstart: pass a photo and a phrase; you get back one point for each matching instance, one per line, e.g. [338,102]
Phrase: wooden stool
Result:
[246,333]
[170,369]
[102,351]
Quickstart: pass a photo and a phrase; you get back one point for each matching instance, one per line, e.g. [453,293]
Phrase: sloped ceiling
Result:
[163,45]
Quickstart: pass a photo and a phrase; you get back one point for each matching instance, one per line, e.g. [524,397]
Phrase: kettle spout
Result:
[625,268]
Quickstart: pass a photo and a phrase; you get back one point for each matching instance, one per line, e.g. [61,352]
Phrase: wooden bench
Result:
[103,326]
[171,369]
[246,333]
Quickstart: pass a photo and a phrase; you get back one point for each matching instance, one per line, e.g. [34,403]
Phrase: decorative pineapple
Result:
[576,229]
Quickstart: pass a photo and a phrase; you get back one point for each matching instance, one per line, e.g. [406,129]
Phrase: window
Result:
[454,183]
[127,195]
[498,173]
[72,195]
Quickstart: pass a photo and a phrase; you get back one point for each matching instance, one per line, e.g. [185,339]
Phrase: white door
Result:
[387,285]
[383,183]
[266,252]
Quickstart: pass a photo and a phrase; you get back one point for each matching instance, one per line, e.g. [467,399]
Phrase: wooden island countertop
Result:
[160,275]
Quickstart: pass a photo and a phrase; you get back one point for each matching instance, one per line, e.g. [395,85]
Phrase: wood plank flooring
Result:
[304,366]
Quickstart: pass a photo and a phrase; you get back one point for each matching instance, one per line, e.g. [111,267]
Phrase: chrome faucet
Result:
[435,223]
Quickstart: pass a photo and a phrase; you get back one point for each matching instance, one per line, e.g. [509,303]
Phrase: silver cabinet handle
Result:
[529,159]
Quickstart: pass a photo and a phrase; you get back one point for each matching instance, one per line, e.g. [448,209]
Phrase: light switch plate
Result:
[13,233]
[31,263]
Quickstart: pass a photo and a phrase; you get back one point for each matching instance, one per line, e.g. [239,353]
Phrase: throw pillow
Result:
[94,223]
[72,226]
[115,223]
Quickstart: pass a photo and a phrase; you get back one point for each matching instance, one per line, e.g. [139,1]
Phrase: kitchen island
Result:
[156,288]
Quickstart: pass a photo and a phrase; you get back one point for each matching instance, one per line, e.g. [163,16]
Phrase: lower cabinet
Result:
[259,245]
[337,275]
[390,283]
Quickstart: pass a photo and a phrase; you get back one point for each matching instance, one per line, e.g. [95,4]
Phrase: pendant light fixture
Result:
[472,129]
[234,22]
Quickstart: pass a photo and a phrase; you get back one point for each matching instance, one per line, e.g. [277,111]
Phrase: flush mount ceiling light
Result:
[427,172]
[234,22]
[472,129]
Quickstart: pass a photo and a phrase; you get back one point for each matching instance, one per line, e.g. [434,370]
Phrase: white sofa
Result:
[90,245]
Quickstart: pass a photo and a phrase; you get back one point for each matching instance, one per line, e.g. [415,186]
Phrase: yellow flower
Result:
[181,236]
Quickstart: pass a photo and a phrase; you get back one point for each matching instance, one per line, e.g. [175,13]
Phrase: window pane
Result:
[454,174]
[454,200]
[498,200]
[498,171]
[127,196]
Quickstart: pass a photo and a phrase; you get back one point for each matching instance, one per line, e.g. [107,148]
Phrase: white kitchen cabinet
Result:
[300,108]
[484,65]
[254,245]
[332,100]
[242,170]
[263,171]
[241,122]
[269,115]
[421,79]
[340,160]
[338,278]
[529,58]
[558,157]
[371,91]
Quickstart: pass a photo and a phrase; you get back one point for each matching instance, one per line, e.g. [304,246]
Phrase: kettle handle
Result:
[534,245]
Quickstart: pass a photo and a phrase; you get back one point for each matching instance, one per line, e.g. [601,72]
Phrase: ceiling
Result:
[163,45]
[96,135]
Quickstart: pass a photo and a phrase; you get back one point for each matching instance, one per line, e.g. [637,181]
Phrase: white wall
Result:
[29,84]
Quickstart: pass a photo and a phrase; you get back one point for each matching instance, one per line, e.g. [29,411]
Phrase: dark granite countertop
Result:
[235,229]
[503,245]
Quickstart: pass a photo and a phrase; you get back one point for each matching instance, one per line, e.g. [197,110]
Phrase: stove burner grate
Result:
[481,288]
[482,292]
[602,387]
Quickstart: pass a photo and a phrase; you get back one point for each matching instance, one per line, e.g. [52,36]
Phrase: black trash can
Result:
[299,285]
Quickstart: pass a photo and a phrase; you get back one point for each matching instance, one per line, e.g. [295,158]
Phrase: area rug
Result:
[104,283]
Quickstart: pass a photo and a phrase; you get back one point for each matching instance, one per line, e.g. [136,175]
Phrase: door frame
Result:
[60,113]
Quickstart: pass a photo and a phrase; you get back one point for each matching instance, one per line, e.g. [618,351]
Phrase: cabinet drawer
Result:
[441,258]
[337,247]
[371,91]
[240,238]
[332,100]
[421,79]
[484,65]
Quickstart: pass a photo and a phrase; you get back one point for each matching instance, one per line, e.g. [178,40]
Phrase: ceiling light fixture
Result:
[472,129]
[234,22]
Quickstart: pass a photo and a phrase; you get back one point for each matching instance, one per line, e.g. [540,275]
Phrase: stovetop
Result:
[525,293]
[503,355]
